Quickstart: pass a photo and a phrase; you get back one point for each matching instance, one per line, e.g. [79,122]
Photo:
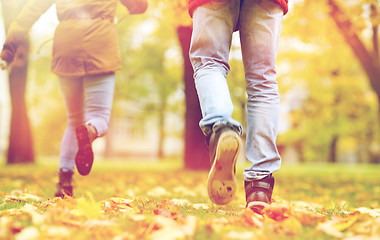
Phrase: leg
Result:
[98,92]
[213,25]
[72,91]
[260,27]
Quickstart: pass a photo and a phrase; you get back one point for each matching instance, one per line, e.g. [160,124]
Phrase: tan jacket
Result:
[85,41]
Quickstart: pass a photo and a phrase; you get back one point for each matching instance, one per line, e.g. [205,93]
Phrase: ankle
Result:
[92,132]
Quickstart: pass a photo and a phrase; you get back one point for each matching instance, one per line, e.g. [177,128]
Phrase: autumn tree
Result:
[20,149]
[351,21]
[367,56]
[331,107]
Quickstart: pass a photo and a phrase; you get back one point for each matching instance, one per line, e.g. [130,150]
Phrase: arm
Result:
[18,30]
[135,6]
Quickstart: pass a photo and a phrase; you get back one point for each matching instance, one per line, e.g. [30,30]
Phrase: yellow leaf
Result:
[87,207]
[37,218]
[216,224]
[253,218]
[308,217]
[291,226]
[328,228]
[345,223]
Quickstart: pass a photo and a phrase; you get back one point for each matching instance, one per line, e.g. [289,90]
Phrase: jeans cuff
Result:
[209,129]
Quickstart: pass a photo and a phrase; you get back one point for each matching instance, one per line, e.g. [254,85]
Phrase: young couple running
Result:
[86,56]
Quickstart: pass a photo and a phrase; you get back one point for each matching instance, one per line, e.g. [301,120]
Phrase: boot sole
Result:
[221,182]
[85,156]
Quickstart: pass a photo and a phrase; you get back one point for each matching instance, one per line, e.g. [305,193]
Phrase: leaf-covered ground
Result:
[125,200]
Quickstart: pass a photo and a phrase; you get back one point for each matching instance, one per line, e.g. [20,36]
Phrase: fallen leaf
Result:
[277,211]
[290,226]
[37,218]
[87,207]
[29,233]
[200,206]
[308,217]
[375,213]
[124,236]
[171,229]
[252,218]
[329,229]
[240,235]
[57,232]
[216,224]
[181,202]
[22,197]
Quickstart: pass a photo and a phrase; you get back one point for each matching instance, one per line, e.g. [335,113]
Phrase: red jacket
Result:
[195,3]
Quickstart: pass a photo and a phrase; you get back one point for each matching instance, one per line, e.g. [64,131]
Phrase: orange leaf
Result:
[277,211]
[253,218]
[307,217]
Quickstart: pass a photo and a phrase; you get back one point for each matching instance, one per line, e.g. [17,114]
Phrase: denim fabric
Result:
[259,23]
[88,100]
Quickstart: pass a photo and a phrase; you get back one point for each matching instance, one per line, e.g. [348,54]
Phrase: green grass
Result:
[332,190]
[330,185]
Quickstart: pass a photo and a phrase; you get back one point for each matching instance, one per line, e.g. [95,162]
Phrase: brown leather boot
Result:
[64,186]
[258,193]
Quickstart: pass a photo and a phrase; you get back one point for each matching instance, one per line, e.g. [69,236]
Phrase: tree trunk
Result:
[333,149]
[161,131]
[196,154]
[20,149]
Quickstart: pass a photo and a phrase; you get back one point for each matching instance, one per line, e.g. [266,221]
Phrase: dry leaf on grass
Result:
[308,217]
[171,229]
[21,197]
[29,233]
[277,211]
[252,218]
[216,224]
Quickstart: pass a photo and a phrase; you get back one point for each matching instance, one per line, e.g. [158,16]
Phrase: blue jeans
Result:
[88,100]
[259,23]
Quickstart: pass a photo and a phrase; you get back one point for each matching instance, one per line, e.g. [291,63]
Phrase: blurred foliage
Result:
[329,94]
[325,95]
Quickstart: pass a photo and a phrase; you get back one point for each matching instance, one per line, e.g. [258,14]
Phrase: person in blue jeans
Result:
[259,23]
